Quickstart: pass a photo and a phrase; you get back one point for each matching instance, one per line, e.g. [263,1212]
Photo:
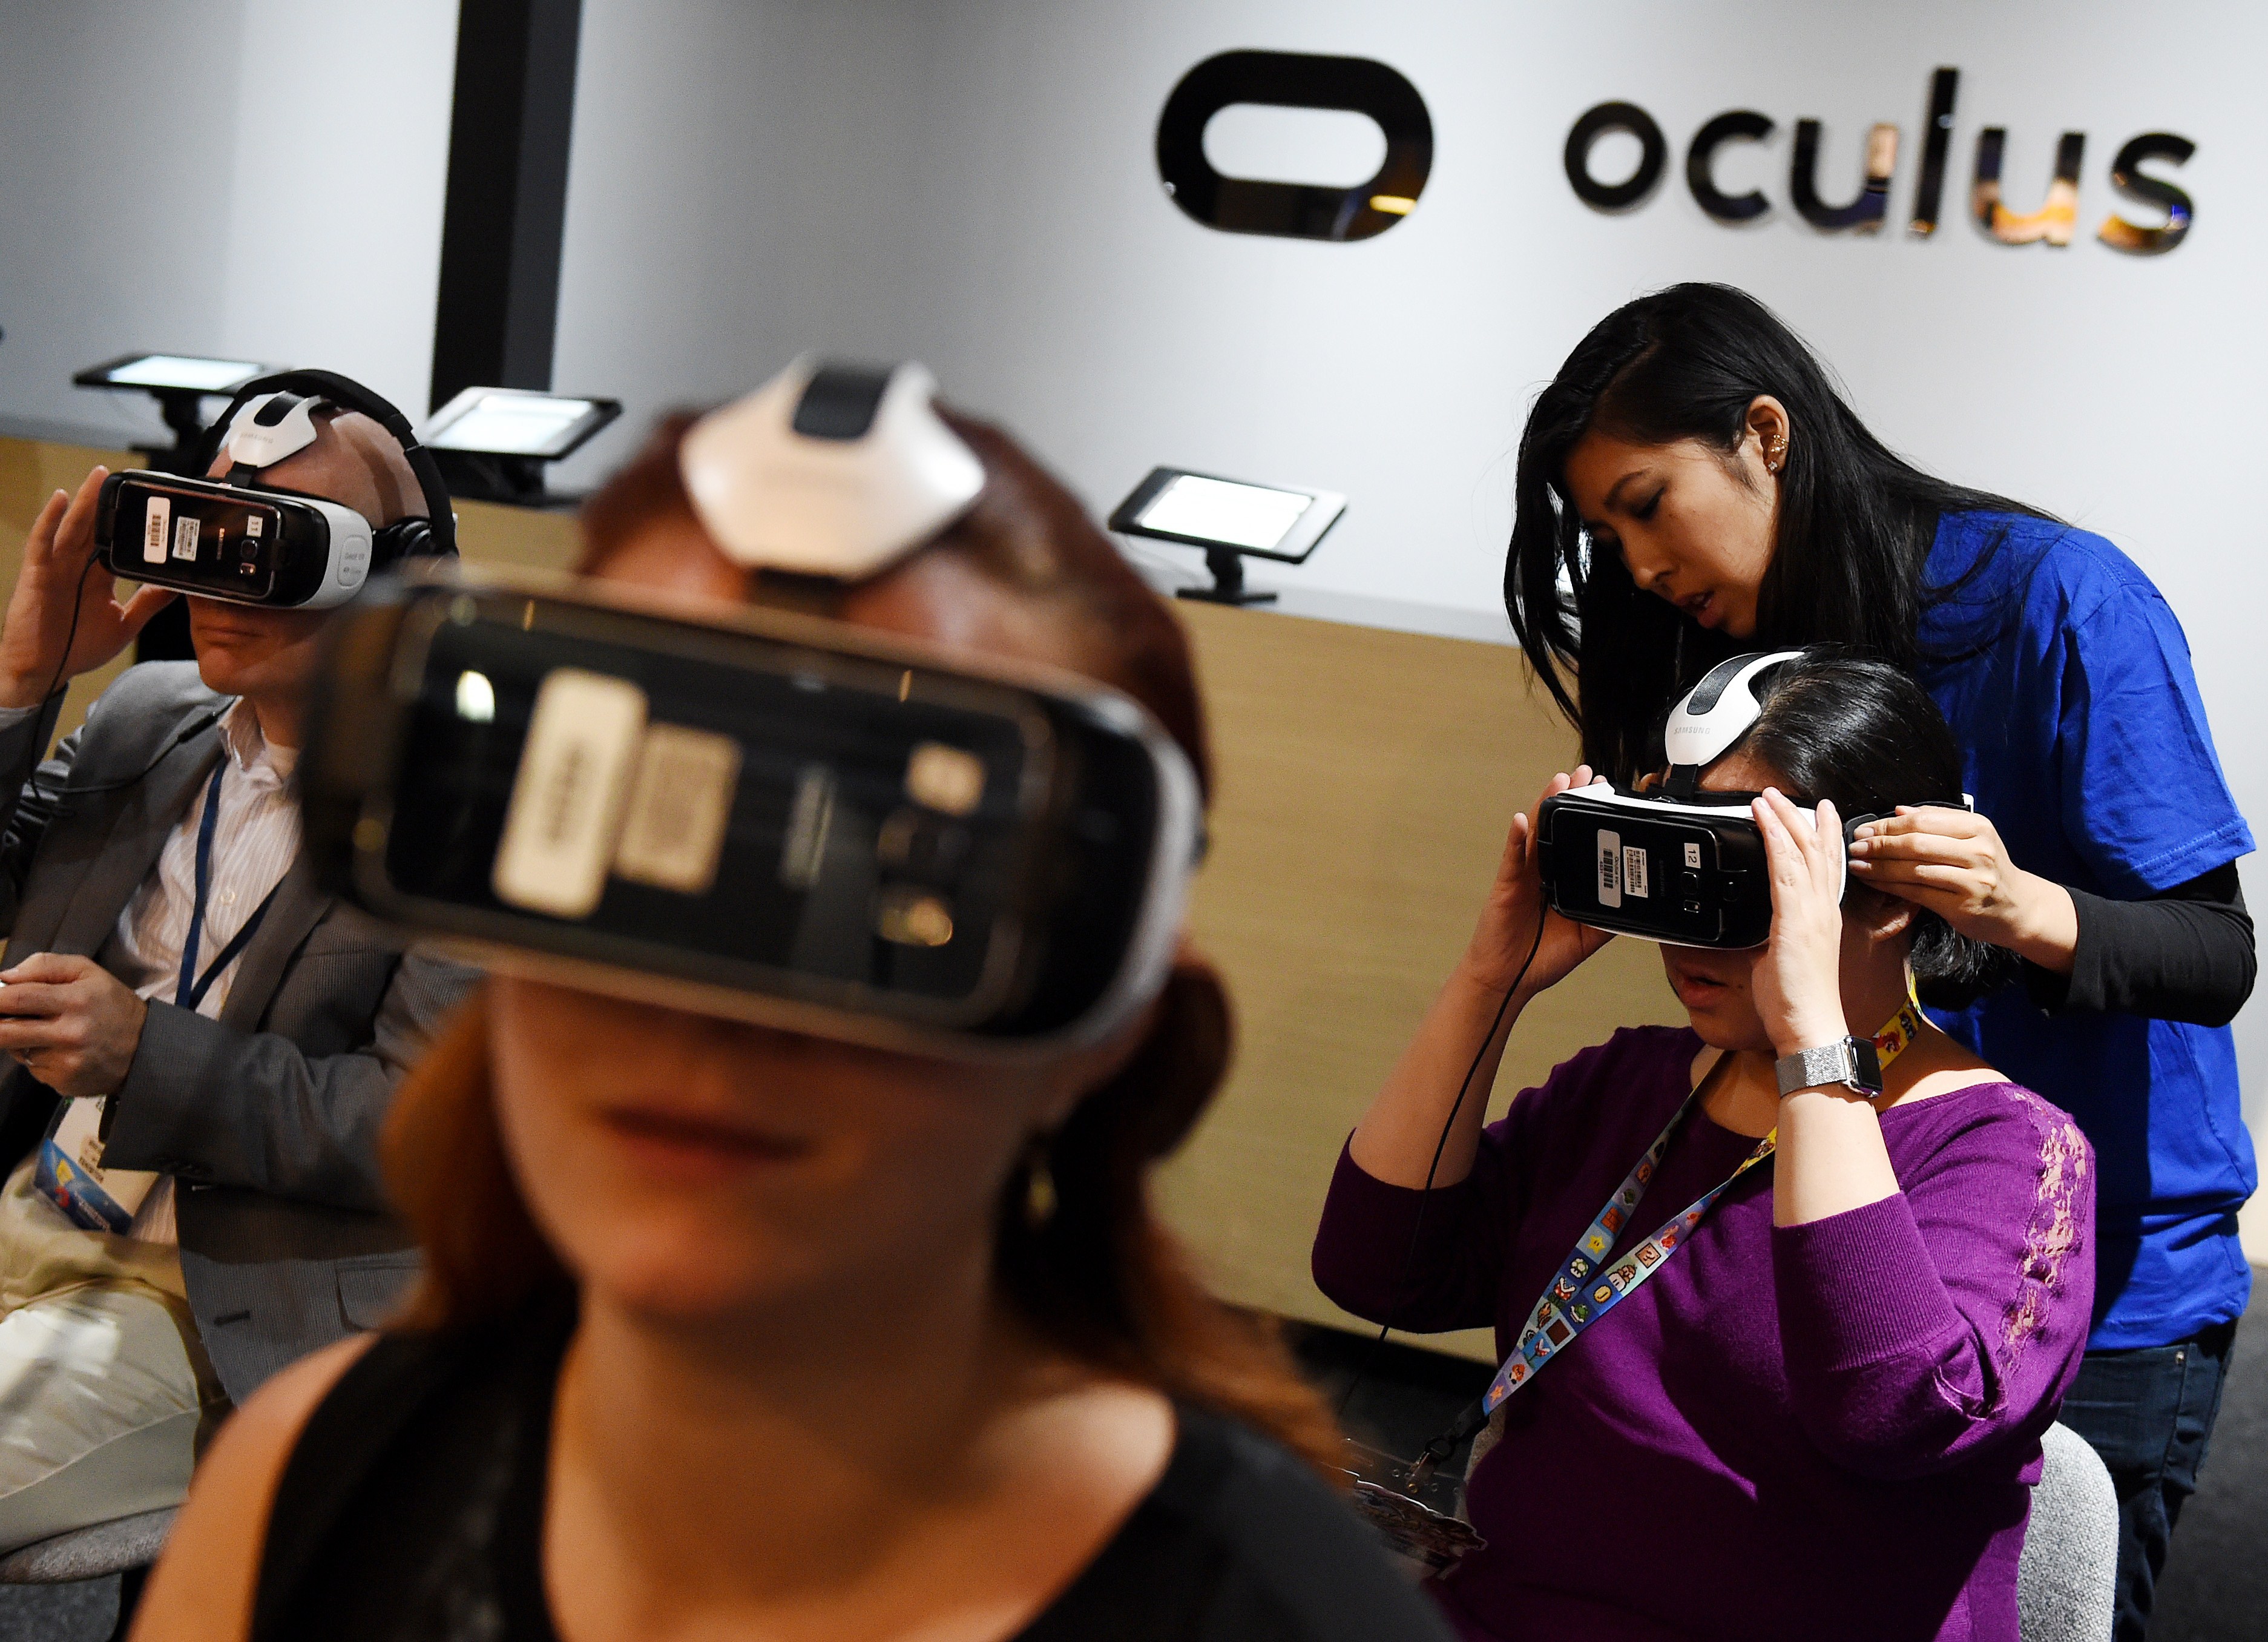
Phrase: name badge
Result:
[70,1172]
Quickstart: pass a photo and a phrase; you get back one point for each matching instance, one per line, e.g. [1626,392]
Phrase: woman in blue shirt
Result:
[1691,485]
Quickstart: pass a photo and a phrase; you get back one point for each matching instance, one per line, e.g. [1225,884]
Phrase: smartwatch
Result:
[1852,1063]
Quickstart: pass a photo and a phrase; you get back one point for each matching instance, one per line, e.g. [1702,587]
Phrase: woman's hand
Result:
[1506,929]
[1953,863]
[62,597]
[1798,979]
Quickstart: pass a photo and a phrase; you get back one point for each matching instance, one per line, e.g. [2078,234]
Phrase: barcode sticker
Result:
[156,526]
[1634,881]
[186,529]
[567,798]
[1610,868]
[674,832]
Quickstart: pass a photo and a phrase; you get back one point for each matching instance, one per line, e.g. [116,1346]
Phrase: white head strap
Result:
[270,428]
[829,471]
[1715,713]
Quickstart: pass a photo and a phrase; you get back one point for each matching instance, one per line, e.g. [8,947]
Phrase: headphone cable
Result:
[55,679]
[1425,1193]
[32,776]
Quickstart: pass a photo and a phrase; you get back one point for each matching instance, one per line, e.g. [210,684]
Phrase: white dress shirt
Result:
[256,838]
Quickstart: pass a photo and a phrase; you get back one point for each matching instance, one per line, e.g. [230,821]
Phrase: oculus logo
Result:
[1866,209]
[1296,211]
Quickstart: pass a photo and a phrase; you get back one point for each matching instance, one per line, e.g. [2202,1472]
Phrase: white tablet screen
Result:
[173,370]
[1214,510]
[512,424]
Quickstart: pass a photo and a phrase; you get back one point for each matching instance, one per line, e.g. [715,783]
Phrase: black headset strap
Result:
[352,395]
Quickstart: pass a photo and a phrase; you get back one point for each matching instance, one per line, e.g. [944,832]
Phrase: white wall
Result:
[255,178]
[973,184]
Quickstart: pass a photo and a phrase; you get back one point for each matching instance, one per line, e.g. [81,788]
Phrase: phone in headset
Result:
[1674,863]
[793,821]
[1681,872]
[248,547]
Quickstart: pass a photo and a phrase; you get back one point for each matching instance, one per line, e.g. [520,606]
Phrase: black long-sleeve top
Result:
[2185,955]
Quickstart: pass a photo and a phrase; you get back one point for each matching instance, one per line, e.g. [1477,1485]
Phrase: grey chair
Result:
[125,1547]
[2068,1575]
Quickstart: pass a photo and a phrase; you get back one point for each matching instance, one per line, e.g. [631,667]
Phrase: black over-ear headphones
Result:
[433,537]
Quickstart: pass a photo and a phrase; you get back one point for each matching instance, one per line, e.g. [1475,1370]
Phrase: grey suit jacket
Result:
[268,1118]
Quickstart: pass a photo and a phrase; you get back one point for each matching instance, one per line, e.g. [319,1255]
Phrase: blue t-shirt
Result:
[2067,682]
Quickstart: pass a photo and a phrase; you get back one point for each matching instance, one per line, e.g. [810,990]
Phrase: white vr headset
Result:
[1673,863]
[798,821]
[830,470]
[248,541]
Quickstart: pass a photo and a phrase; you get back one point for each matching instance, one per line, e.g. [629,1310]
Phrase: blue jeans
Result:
[2149,1413]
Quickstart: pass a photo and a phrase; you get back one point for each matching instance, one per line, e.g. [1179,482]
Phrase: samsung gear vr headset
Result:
[1673,863]
[786,819]
[249,542]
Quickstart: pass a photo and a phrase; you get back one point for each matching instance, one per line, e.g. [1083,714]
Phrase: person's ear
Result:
[1882,917]
[1768,433]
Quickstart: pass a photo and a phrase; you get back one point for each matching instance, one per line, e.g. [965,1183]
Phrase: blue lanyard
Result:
[186,994]
[1574,1302]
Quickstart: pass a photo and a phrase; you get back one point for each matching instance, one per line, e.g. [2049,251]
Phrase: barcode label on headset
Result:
[186,531]
[1634,872]
[157,526]
[575,768]
[1610,868]
[674,832]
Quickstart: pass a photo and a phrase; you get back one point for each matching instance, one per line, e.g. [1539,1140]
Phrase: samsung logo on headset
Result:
[1365,209]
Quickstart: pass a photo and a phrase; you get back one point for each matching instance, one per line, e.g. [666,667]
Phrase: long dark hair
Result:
[1865,737]
[1102,1276]
[1854,529]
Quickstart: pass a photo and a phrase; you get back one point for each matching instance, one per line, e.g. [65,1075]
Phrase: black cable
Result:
[32,777]
[1425,1193]
[192,727]
[71,636]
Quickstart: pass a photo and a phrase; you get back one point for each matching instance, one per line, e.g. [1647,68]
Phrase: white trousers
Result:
[100,1402]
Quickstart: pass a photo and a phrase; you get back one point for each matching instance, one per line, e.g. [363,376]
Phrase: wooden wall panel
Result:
[1366,778]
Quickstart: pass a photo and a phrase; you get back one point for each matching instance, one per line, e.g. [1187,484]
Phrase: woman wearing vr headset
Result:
[730,1330]
[1812,1330]
[1696,483]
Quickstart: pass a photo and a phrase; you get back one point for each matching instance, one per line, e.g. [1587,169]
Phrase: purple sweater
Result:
[1787,1433]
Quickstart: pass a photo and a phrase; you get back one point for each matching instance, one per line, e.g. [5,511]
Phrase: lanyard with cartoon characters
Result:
[1587,1288]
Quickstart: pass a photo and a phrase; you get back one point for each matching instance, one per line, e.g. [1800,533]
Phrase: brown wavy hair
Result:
[1101,1278]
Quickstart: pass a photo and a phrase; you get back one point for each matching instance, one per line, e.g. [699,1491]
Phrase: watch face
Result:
[1866,1065]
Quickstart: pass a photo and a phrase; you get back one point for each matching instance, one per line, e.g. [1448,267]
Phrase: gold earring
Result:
[1039,1184]
[1776,458]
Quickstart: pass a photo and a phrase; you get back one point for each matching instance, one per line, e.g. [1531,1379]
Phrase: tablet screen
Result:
[512,424]
[173,370]
[1215,510]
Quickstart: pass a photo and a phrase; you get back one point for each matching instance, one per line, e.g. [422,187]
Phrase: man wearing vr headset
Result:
[205,1044]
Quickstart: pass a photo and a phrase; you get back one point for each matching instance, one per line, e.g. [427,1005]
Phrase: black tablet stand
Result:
[1227,567]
